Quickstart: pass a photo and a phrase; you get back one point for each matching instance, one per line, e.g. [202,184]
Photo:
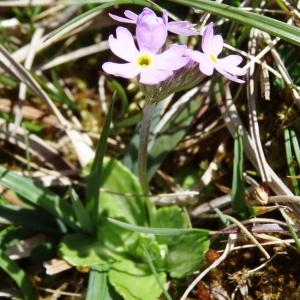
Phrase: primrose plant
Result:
[162,68]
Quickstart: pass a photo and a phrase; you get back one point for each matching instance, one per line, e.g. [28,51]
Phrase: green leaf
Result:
[121,197]
[37,195]
[186,255]
[115,239]
[135,281]
[94,179]
[159,231]
[277,28]
[10,214]
[98,287]
[19,276]
[82,250]
[169,217]
[171,134]
[156,251]
[239,204]
[81,213]
[290,160]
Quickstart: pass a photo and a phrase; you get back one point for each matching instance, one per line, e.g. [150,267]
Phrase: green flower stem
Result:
[143,154]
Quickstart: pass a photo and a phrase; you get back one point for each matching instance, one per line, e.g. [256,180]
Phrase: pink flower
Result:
[149,16]
[208,60]
[151,67]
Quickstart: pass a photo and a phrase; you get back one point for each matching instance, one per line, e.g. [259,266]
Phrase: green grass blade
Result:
[295,146]
[154,272]
[290,161]
[158,231]
[19,276]
[83,18]
[81,213]
[37,195]
[277,28]
[122,96]
[94,178]
[238,184]
[10,214]
[98,284]
[294,235]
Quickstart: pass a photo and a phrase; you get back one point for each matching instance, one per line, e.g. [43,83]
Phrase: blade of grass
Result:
[94,178]
[294,235]
[151,266]
[238,184]
[19,276]
[98,284]
[122,96]
[81,213]
[295,146]
[290,161]
[158,231]
[37,195]
[86,16]
[10,214]
[274,27]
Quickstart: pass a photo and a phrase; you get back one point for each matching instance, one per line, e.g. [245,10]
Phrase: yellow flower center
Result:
[213,58]
[144,60]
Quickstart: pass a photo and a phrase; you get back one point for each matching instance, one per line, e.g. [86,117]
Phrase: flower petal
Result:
[206,65]
[207,39]
[227,75]
[172,59]
[121,19]
[131,15]
[230,63]
[182,28]
[154,76]
[123,46]
[151,31]
[127,70]
[217,45]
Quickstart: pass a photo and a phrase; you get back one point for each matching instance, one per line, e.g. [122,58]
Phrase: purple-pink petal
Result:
[230,63]
[131,15]
[123,45]
[151,31]
[154,76]
[182,28]
[127,70]
[122,19]
[206,65]
[207,39]
[227,75]
[172,59]
[217,45]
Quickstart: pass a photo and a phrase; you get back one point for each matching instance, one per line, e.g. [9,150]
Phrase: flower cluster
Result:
[153,63]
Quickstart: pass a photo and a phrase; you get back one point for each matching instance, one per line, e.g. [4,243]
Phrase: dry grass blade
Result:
[248,234]
[232,120]
[283,71]
[82,52]
[83,150]
[14,3]
[253,123]
[28,64]
[37,147]
[229,246]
